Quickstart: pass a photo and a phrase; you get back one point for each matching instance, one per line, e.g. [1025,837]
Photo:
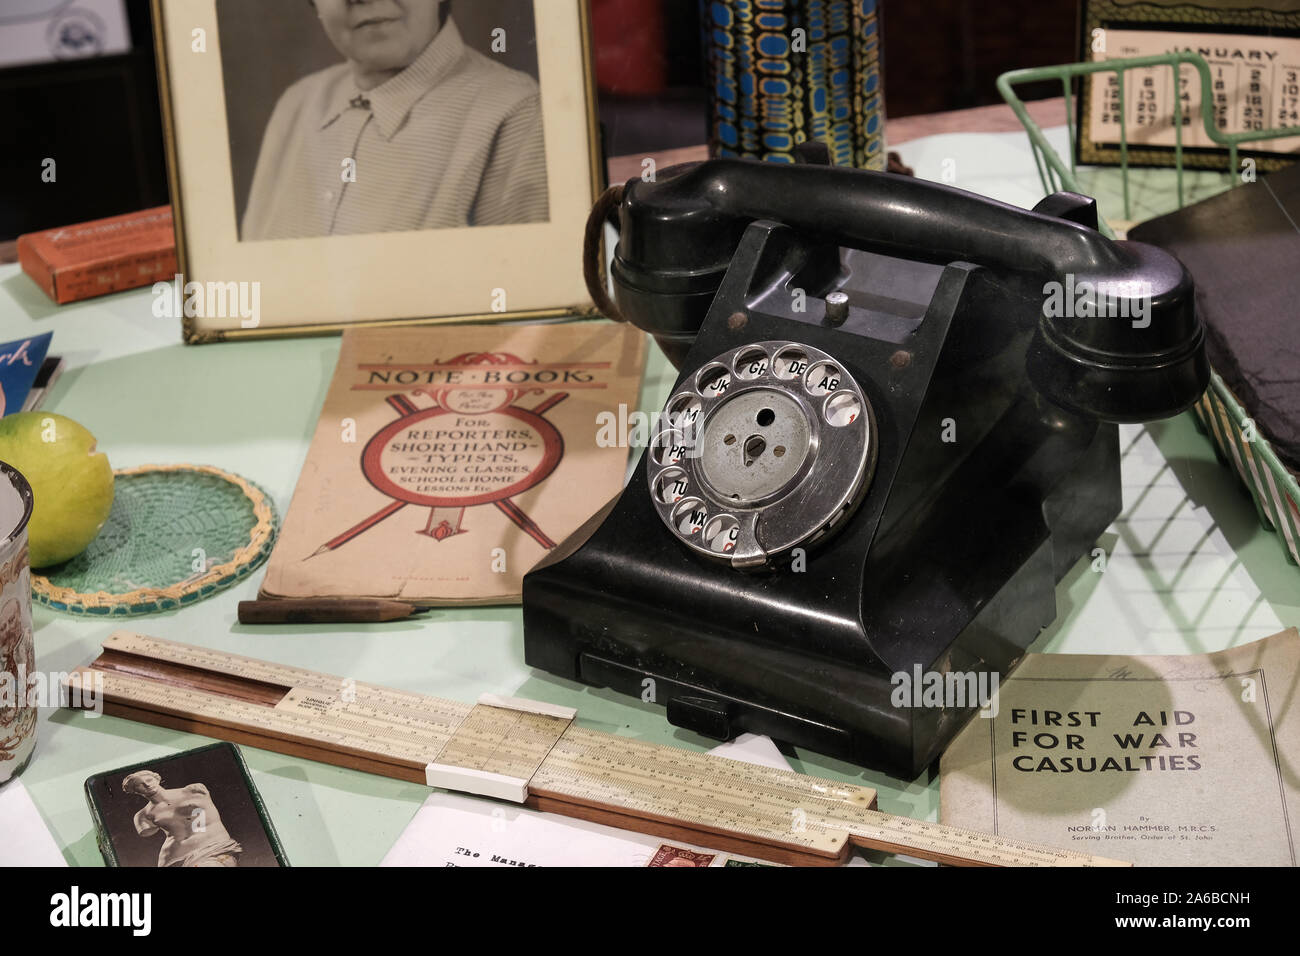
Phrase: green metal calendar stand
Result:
[1273,486]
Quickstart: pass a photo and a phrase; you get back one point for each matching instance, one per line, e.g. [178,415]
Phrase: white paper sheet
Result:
[27,841]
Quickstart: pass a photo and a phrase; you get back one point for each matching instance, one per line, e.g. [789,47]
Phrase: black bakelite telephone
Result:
[891,437]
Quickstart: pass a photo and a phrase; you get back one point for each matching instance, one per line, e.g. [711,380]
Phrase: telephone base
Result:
[583,621]
[983,494]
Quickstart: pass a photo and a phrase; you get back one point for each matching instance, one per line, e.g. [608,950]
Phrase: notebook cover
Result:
[449,460]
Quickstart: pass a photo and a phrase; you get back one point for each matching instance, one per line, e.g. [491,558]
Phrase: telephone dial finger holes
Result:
[684,412]
[781,449]
[690,516]
[824,378]
[751,364]
[670,486]
[714,381]
[842,408]
[669,448]
[721,534]
[790,364]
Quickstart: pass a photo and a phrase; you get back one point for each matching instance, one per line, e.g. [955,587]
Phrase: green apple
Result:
[72,484]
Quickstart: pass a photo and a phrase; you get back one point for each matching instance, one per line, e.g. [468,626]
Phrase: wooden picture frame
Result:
[256,260]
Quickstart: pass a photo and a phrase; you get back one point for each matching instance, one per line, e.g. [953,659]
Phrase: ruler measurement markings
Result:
[567,764]
[418,729]
[353,733]
[716,837]
[722,773]
[688,764]
[312,727]
[701,804]
[502,741]
[649,793]
[829,845]
[226,712]
[285,675]
[840,817]
[218,661]
[630,777]
[908,832]
[696,812]
[364,735]
[650,783]
[700,810]
[912,835]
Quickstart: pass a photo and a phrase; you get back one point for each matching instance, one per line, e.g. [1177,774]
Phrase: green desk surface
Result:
[1188,569]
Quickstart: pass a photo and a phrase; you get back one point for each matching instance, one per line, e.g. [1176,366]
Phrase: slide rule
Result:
[528,752]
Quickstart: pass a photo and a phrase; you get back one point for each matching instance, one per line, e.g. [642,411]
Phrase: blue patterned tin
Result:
[785,71]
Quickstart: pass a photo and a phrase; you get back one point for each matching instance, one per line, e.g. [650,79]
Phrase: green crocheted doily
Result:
[176,534]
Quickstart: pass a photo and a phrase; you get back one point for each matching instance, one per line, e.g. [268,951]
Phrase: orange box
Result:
[107,255]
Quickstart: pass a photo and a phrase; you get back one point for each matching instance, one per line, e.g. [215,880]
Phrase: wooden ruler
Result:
[524,751]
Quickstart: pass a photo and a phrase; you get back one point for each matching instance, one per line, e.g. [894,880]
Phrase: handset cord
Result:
[593,270]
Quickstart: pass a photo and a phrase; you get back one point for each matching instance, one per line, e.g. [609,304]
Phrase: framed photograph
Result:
[194,809]
[335,162]
[1252,48]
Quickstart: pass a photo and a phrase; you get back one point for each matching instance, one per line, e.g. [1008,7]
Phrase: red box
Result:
[107,255]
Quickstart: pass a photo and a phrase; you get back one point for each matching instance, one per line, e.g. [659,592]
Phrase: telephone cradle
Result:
[893,434]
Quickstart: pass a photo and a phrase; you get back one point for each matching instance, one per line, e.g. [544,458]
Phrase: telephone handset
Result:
[678,234]
[891,436]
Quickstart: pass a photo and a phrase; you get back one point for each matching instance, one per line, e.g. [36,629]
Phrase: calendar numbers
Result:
[1254,86]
